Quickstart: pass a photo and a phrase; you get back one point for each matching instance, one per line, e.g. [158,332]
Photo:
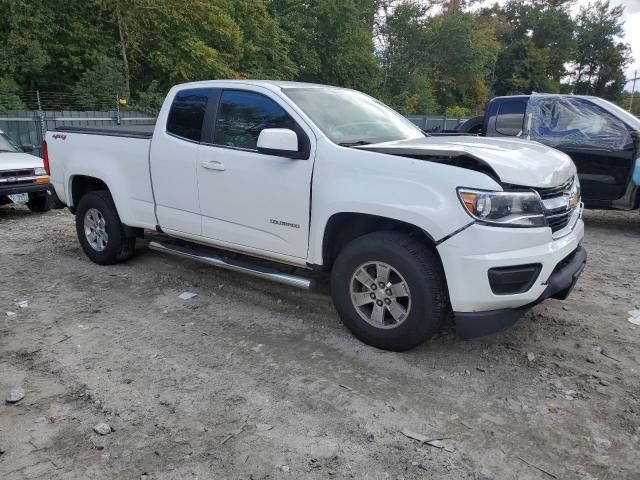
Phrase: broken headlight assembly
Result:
[504,209]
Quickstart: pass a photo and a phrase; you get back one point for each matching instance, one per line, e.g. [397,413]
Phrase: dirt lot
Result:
[255,380]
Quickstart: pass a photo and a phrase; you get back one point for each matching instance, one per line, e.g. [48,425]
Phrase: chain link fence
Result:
[48,110]
[436,124]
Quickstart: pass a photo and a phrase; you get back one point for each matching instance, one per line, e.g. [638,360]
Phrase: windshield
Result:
[350,117]
[631,120]
[8,145]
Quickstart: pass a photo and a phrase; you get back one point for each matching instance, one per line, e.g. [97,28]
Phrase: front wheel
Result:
[389,290]
[100,230]
[39,203]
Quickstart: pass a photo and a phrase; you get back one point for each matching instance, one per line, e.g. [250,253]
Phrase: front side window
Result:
[243,115]
[510,119]
[187,113]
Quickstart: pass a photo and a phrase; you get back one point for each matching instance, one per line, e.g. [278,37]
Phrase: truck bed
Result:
[127,131]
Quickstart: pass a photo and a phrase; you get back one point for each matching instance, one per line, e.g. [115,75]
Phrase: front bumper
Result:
[32,188]
[468,256]
[559,286]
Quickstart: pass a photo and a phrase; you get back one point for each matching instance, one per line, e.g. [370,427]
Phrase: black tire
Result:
[39,203]
[119,247]
[472,126]
[422,272]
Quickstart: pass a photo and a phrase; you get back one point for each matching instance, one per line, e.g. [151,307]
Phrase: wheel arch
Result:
[342,228]
[80,185]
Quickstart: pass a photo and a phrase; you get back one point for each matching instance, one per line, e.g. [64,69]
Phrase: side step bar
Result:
[204,255]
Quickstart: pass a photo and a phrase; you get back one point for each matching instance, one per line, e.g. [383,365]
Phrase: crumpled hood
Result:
[18,161]
[515,161]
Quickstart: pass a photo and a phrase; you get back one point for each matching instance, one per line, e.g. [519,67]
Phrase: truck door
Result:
[248,198]
[174,161]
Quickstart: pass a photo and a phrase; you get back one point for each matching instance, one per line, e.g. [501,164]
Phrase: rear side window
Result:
[187,113]
[243,115]
[510,119]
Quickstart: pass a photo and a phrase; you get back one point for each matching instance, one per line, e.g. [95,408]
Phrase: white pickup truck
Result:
[411,228]
[23,177]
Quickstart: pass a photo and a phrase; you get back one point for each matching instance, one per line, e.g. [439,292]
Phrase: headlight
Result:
[39,171]
[506,209]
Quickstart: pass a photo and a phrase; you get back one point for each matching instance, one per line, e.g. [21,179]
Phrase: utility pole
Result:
[43,126]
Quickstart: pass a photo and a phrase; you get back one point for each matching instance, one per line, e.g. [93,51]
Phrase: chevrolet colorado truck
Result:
[412,229]
[602,139]
[23,177]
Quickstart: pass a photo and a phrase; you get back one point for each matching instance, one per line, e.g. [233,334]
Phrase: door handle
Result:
[213,166]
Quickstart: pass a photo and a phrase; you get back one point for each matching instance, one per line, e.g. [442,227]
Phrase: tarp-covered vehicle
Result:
[602,139]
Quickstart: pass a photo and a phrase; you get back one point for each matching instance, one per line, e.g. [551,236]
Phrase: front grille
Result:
[16,173]
[558,218]
[551,192]
[14,178]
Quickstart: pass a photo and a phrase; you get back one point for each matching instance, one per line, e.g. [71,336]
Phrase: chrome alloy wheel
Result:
[95,229]
[380,295]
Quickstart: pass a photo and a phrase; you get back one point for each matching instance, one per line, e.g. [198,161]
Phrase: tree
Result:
[600,58]
[150,100]
[9,99]
[464,52]
[406,81]
[537,42]
[331,40]
[265,46]
[100,86]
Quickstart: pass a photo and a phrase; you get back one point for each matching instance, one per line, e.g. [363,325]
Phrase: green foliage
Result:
[100,86]
[600,58]
[457,112]
[150,100]
[537,42]
[415,57]
[331,40]
[9,99]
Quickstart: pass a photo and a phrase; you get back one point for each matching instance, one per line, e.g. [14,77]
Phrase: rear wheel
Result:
[39,203]
[100,231]
[389,290]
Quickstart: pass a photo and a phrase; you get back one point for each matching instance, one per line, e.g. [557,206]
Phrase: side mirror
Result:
[27,148]
[280,142]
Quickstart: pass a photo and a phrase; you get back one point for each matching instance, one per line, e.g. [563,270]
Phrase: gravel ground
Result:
[254,380]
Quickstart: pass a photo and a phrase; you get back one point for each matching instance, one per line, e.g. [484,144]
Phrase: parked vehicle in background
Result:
[602,139]
[411,228]
[23,177]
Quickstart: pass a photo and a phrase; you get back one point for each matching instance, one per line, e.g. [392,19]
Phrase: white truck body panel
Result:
[121,163]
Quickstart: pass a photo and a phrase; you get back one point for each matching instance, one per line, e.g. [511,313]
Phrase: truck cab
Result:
[601,138]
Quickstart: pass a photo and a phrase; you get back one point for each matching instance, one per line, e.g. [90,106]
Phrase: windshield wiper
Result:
[10,151]
[355,143]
